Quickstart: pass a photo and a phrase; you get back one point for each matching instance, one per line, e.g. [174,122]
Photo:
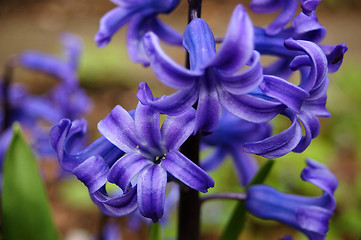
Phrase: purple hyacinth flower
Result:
[142,17]
[212,79]
[152,154]
[310,215]
[287,8]
[311,102]
[91,166]
[228,138]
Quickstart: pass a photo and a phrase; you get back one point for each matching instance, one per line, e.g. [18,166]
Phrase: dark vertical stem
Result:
[5,92]
[189,202]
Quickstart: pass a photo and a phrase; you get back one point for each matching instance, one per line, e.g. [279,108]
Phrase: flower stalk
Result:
[189,201]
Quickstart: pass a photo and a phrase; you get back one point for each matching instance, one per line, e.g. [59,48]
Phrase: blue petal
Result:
[334,54]
[308,6]
[286,92]
[111,22]
[126,168]
[118,205]
[174,104]
[176,129]
[248,107]
[208,108]
[169,72]
[119,128]
[238,44]
[147,127]
[308,28]
[312,127]
[92,172]
[214,159]
[279,23]
[199,41]
[318,62]
[246,81]
[186,171]
[152,184]
[279,144]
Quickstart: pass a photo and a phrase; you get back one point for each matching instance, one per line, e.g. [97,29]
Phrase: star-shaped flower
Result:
[151,153]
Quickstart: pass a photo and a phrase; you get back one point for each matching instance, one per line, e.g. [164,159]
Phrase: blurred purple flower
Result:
[309,215]
[228,138]
[142,17]
[212,79]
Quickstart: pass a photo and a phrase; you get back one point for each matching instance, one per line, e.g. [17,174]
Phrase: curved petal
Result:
[318,62]
[147,126]
[92,172]
[287,93]
[208,108]
[126,168]
[334,54]
[152,184]
[313,220]
[168,72]
[283,18]
[119,128]
[176,129]
[246,81]
[317,106]
[64,138]
[174,104]
[319,175]
[249,107]
[238,44]
[279,144]
[312,126]
[138,26]
[266,6]
[245,165]
[186,171]
[308,6]
[199,41]
[308,28]
[111,22]
[115,206]
[213,160]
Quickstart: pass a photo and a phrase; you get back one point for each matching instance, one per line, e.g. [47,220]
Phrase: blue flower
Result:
[212,79]
[310,101]
[91,166]
[228,138]
[151,153]
[142,17]
[309,215]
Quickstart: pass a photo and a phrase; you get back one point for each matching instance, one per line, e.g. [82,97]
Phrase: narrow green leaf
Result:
[262,173]
[155,231]
[237,221]
[25,207]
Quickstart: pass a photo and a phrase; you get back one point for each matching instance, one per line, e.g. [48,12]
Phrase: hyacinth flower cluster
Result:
[225,96]
[37,113]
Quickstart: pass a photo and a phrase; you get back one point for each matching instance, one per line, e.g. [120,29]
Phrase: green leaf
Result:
[25,207]
[237,221]
[262,173]
[155,231]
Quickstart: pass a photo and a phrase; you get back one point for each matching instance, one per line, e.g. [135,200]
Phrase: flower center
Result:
[158,159]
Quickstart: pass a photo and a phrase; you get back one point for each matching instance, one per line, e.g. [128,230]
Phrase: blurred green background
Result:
[111,78]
